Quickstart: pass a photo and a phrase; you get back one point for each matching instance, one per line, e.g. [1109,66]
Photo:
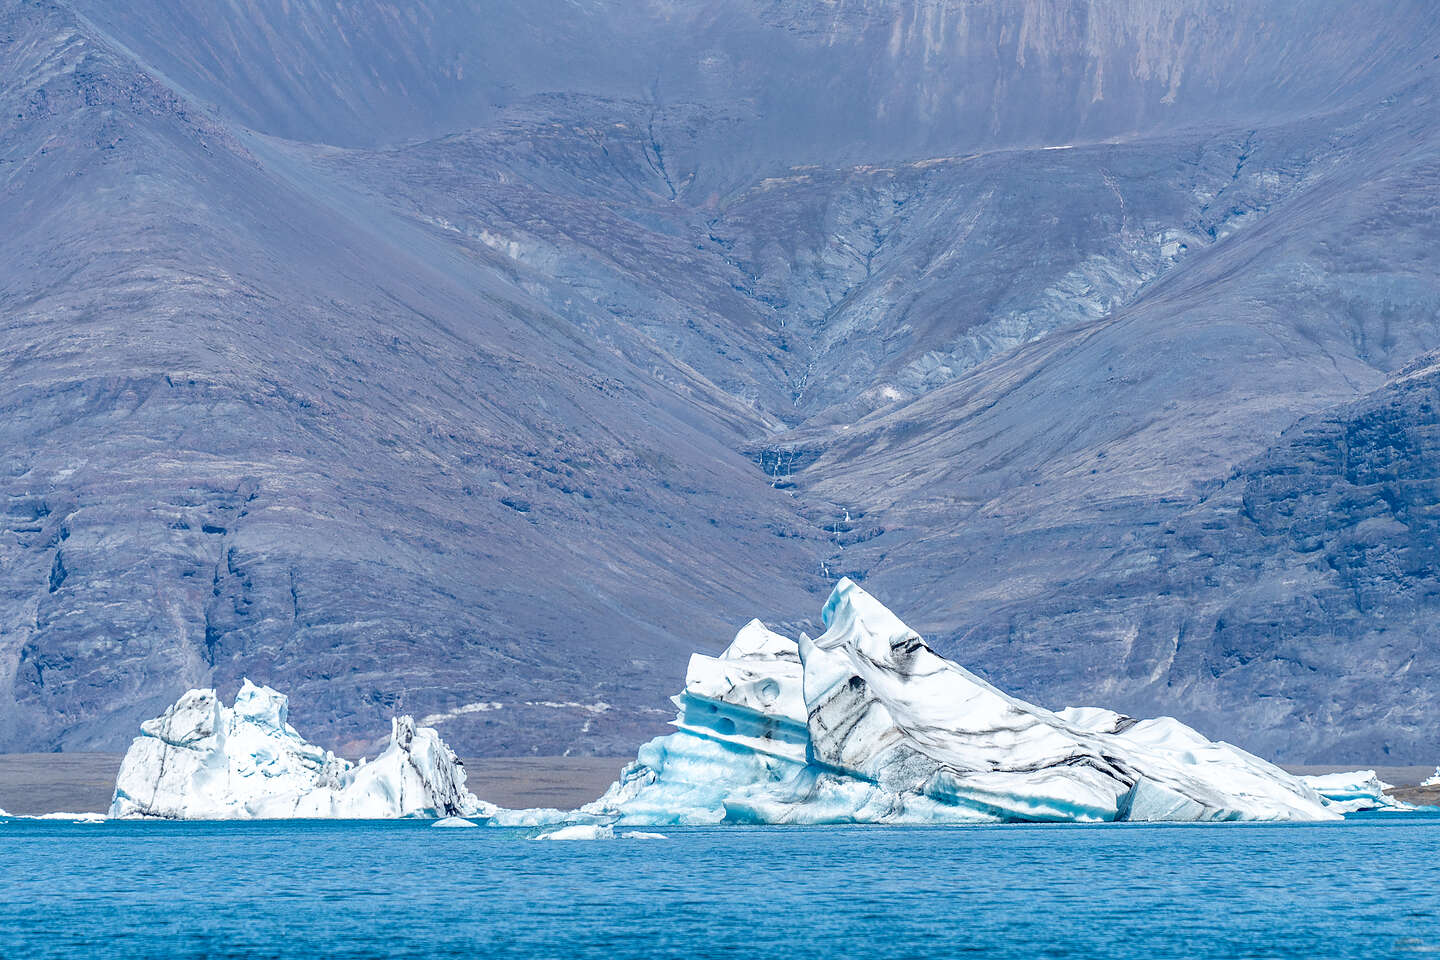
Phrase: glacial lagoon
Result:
[1364,887]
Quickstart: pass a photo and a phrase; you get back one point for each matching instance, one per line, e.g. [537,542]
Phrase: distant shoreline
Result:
[35,783]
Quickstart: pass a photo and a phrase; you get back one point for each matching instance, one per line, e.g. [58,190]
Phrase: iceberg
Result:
[454,822]
[1355,791]
[866,724]
[1433,781]
[202,760]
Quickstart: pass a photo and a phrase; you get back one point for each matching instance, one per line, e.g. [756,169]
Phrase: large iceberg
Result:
[866,724]
[202,760]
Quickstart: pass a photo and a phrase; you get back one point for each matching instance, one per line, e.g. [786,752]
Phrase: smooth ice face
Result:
[884,707]
[749,696]
[756,642]
[866,724]
[742,734]
[203,760]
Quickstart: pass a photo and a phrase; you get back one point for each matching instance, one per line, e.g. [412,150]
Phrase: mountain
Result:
[480,360]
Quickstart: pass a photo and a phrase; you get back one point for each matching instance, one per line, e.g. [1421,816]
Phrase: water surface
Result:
[1365,888]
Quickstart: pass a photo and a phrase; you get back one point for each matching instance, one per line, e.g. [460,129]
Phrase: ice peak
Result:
[262,705]
[755,641]
[194,718]
[204,760]
[841,594]
[402,732]
[853,617]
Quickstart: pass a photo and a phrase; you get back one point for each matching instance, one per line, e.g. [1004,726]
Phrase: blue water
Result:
[1365,888]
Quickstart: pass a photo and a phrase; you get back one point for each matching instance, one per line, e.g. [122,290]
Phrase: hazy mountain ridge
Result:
[264,445]
[558,339]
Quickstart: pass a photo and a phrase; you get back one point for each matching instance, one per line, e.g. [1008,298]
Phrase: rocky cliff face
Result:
[254,426]
[478,361]
[1301,591]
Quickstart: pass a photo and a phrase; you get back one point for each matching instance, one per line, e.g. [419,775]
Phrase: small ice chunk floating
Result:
[202,760]
[866,724]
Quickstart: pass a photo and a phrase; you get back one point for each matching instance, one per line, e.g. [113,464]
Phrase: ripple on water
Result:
[1362,888]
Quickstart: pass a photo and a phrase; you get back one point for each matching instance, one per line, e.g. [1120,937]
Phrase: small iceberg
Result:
[202,760]
[1432,781]
[1356,791]
[642,835]
[867,724]
[580,831]
[454,822]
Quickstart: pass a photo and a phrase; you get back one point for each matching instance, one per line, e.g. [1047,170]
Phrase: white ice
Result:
[1433,781]
[580,831]
[454,822]
[202,760]
[1355,791]
[867,724]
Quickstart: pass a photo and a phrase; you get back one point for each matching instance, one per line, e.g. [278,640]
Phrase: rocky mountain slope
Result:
[478,361]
